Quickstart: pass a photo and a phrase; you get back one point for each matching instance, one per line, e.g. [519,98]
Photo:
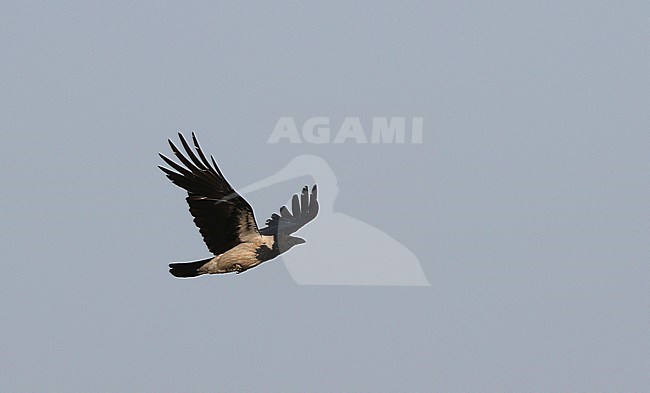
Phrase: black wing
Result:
[223,217]
[304,210]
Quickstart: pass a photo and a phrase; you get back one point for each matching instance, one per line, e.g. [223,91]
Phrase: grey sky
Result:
[526,203]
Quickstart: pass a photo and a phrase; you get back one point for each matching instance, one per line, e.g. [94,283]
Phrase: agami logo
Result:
[317,130]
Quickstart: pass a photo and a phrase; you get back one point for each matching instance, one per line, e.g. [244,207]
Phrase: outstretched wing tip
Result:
[304,208]
[217,209]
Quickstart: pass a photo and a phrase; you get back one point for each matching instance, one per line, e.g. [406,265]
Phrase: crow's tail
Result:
[187,269]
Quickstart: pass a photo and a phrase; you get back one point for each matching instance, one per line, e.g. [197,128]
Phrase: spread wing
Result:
[304,209]
[223,217]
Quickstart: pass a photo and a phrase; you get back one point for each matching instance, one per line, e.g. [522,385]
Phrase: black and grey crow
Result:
[226,221]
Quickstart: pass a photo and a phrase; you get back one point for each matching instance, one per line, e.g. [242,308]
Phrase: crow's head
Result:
[285,242]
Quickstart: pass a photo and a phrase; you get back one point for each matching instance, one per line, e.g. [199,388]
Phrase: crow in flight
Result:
[226,221]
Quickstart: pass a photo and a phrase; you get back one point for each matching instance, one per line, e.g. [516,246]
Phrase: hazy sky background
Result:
[527,203]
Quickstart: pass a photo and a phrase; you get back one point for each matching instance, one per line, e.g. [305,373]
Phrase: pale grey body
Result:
[239,258]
